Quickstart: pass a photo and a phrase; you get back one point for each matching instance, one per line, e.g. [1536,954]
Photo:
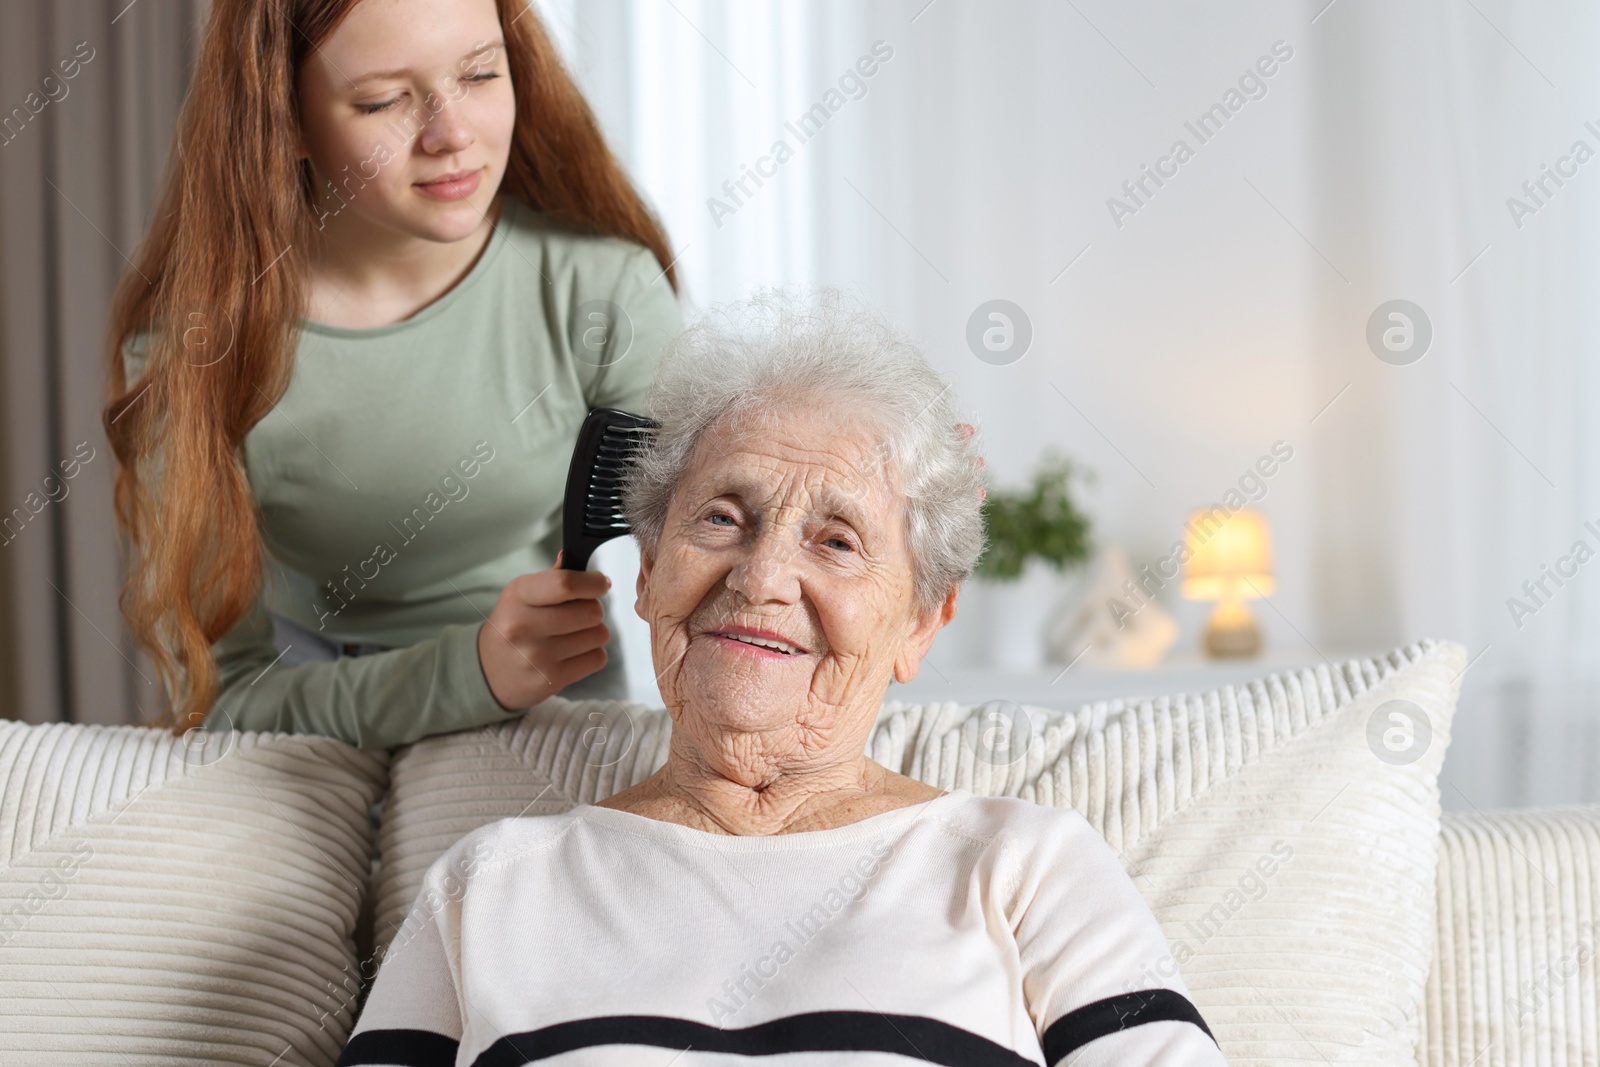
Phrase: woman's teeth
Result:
[776,646]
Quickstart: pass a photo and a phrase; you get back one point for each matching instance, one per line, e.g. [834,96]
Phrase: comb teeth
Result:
[607,444]
[602,513]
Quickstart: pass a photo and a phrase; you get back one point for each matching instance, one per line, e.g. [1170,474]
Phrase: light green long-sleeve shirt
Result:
[412,470]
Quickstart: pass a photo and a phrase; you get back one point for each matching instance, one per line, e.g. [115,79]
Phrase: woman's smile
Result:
[458,188]
[749,646]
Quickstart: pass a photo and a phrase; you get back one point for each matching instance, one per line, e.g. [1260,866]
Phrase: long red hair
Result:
[234,197]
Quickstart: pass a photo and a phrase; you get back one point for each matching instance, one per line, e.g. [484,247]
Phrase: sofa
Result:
[226,897]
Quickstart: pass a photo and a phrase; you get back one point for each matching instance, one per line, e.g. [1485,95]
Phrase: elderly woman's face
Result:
[794,531]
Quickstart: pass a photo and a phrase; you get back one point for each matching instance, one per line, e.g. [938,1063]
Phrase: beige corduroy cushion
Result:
[1320,957]
[167,900]
[1284,832]
[1514,980]
[561,753]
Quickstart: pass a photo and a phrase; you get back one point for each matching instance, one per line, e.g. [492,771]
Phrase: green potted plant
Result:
[1037,535]
[1040,522]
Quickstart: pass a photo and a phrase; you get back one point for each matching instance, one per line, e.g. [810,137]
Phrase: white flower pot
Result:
[1002,624]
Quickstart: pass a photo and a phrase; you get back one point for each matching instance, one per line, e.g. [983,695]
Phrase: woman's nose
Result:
[769,571]
[446,131]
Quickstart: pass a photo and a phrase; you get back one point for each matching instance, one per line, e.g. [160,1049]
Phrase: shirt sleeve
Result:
[375,701]
[622,378]
[414,1016]
[378,701]
[1098,973]
[133,355]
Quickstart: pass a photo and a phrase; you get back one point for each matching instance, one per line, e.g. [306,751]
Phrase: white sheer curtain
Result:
[1231,310]
[695,92]
[1471,472]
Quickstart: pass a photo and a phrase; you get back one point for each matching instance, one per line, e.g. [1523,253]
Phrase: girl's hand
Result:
[544,633]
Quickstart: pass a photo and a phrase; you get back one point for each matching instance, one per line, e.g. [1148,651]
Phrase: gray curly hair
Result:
[752,358]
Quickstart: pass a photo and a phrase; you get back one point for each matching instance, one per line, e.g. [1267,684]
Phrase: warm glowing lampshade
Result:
[1229,557]
[1230,561]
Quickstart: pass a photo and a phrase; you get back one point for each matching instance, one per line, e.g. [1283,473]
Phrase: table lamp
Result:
[1230,561]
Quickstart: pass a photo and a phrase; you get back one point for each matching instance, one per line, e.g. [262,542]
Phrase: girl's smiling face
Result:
[401,94]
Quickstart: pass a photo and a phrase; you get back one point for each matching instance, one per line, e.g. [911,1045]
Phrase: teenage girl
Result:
[392,267]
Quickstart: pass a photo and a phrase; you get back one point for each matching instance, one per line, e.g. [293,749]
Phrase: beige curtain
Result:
[89,92]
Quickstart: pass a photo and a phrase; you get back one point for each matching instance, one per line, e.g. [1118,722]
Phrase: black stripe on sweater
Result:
[913,1036]
[1113,1014]
[400,1048]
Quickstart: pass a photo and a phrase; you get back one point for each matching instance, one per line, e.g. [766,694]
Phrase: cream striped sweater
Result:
[962,930]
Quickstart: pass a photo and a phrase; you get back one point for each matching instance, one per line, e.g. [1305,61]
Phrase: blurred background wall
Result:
[1001,151]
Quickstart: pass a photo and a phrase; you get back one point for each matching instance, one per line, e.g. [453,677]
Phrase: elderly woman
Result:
[805,517]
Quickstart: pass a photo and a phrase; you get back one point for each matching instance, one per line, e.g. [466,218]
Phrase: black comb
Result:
[593,510]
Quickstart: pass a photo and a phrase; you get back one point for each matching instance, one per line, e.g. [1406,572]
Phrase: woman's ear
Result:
[641,602]
[920,639]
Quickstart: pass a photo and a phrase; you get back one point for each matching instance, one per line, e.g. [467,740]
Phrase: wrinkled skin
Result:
[795,528]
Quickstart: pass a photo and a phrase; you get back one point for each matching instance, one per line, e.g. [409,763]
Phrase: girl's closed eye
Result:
[373,109]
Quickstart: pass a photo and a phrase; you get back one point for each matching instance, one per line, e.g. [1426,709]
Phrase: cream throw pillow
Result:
[1284,831]
[179,900]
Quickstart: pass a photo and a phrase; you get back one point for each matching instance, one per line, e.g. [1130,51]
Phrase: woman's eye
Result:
[841,542]
[373,109]
[719,515]
[479,78]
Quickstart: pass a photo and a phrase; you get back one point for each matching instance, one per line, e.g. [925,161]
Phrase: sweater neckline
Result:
[510,205]
[677,834]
